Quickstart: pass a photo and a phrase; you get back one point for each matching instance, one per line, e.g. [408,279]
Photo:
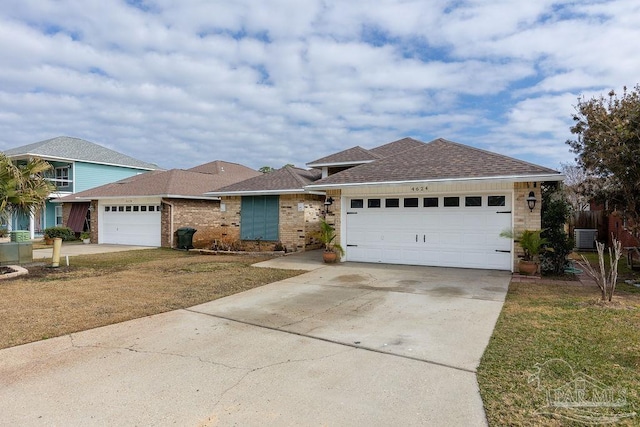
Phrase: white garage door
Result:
[130,225]
[451,231]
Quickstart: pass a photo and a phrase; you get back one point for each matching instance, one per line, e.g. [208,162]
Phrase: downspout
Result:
[170,223]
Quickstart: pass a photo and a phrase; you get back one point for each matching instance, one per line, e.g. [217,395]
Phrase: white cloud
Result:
[287,82]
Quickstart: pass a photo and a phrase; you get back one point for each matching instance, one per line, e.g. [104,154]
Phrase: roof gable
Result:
[76,149]
[358,155]
[228,173]
[350,156]
[437,160]
[286,179]
[396,147]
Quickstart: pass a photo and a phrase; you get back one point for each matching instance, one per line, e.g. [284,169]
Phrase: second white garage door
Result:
[130,224]
[450,231]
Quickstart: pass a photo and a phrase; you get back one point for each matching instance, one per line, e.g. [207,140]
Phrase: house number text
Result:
[420,188]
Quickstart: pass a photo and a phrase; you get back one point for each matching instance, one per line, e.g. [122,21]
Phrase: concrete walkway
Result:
[349,344]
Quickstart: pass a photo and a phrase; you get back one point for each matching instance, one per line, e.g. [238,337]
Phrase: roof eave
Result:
[334,164]
[161,196]
[67,159]
[511,178]
[265,192]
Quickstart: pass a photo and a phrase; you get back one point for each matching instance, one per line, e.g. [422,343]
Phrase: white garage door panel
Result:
[131,228]
[438,236]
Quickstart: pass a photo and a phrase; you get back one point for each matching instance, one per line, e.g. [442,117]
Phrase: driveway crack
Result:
[163,353]
[271,365]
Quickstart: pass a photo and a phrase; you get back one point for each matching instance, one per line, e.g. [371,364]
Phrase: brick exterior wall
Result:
[230,218]
[297,228]
[93,223]
[523,218]
[66,211]
[203,215]
[333,217]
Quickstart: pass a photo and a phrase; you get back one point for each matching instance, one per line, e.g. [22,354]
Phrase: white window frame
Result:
[58,213]
[62,176]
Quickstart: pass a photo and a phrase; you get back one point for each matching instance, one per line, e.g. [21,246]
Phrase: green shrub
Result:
[65,233]
[555,214]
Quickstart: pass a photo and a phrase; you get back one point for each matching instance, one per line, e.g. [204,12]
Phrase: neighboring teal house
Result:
[78,165]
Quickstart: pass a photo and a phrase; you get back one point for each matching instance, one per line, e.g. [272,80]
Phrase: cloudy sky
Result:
[270,82]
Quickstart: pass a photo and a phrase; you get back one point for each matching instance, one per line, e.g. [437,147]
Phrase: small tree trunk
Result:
[606,282]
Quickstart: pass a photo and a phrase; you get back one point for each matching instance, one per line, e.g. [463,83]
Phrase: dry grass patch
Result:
[540,322]
[98,290]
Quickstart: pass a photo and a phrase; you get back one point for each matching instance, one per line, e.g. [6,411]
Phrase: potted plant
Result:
[532,244]
[85,236]
[48,236]
[65,233]
[327,236]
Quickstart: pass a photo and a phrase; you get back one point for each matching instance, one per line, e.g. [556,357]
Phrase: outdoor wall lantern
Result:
[328,202]
[531,201]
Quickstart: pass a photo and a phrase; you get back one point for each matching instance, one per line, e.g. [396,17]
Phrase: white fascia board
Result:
[518,178]
[161,196]
[354,163]
[266,192]
[66,159]
[255,192]
[203,197]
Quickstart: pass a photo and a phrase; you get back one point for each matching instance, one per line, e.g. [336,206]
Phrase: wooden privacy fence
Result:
[590,219]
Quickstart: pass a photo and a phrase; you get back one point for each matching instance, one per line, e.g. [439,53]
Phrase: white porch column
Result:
[32,226]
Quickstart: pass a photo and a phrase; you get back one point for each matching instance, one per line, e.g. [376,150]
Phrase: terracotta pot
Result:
[329,257]
[528,267]
[48,241]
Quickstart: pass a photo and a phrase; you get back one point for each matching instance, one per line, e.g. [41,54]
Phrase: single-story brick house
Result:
[147,209]
[406,202]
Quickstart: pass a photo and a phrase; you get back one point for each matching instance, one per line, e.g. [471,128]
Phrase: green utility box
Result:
[185,237]
[20,236]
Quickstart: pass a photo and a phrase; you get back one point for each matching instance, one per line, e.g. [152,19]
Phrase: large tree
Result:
[578,186]
[608,148]
[23,188]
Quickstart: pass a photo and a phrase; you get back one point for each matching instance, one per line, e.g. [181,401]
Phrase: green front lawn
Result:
[540,322]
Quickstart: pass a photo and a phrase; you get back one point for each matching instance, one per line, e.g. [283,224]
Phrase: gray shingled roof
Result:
[286,179]
[226,171]
[350,156]
[68,148]
[174,182]
[436,160]
[358,155]
[396,147]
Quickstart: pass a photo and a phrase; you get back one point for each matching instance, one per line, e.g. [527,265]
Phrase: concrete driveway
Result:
[352,344]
